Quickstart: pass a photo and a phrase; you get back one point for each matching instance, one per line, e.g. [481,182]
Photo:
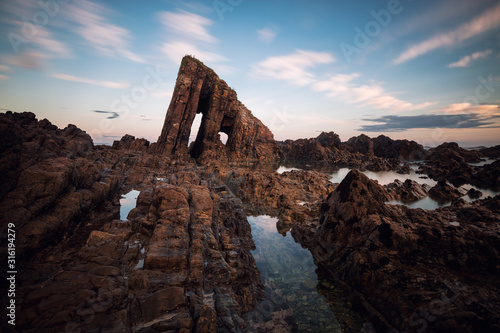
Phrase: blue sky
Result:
[421,70]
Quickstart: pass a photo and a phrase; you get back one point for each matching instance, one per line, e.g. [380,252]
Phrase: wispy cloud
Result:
[483,110]
[293,67]
[32,45]
[177,49]
[296,69]
[4,68]
[106,38]
[465,61]
[30,59]
[463,115]
[480,24]
[372,94]
[3,77]
[107,84]
[267,35]
[113,115]
[188,34]
[188,25]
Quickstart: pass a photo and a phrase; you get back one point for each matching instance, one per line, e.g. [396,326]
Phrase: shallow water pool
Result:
[127,203]
[289,270]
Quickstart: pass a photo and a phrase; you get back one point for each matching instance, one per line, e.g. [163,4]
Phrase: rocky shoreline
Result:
[182,262]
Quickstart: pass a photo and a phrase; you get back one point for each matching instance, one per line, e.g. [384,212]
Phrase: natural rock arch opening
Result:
[223,137]
[195,128]
[199,90]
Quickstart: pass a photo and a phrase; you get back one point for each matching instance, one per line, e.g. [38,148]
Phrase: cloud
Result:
[292,67]
[114,115]
[465,61]
[32,44]
[3,77]
[480,24]
[30,59]
[482,110]
[267,35]
[108,39]
[188,34]
[461,115]
[372,94]
[178,49]
[4,68]
[107,84]
[188,25]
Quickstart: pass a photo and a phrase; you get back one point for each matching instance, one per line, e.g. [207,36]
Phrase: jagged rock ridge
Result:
[199,90]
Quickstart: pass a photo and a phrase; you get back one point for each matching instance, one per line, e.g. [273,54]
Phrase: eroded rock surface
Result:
[180,262]
[403,260]
[199,90]
[362,152]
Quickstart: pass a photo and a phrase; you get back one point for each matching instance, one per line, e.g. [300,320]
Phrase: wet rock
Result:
[444,191]
[404,259]
[449,162]
[474,194]
[407,191]
[487,176]
[491,152]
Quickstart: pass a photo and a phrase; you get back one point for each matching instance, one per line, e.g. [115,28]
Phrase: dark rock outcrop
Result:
[487,176]
[491,152]
[451,150]
[361,144]
[180,262]
[329,140]
[199,90]
[451,162]
[444,191]
[384,146]
[407,191]
[361,152]
[25,141]
[402,260]
[129,142]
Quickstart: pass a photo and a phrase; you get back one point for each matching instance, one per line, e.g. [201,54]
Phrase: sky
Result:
[427,71]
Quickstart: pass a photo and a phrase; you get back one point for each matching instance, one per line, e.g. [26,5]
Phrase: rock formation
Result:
[362,152]
[180,262]
[199,90]
[182,259]
[407,191]
[418,270]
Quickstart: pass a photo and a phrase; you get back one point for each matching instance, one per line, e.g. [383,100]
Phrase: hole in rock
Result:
[223,137]
[195,128]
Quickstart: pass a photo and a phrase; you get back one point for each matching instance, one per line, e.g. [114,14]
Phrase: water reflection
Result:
[425,203]
[384,177]
[387,177]
[289,270]
[484,161]
[127,203]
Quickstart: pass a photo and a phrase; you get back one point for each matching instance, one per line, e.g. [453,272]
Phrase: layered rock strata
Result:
[199,90]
